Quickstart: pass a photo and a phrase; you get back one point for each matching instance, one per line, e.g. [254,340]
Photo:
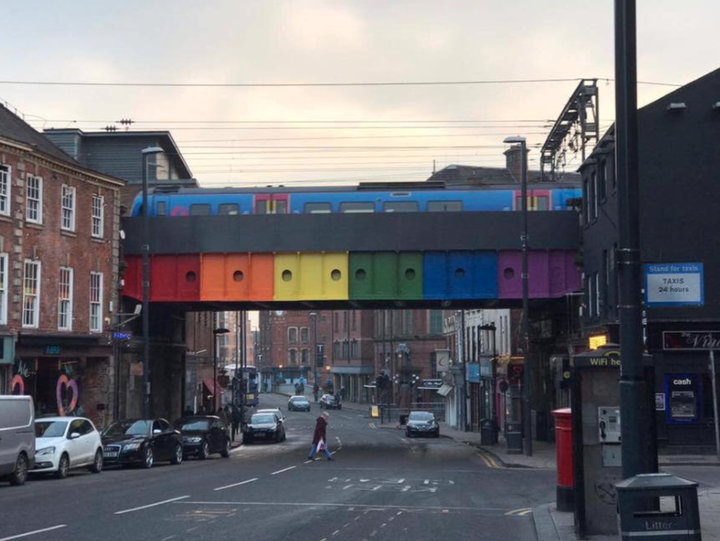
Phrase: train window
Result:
[318,208]
[261,207]
[161,208]
[400,206]
[200,210]
[229,208]
[358,206]
[280,206]
[541,202]
[445,206]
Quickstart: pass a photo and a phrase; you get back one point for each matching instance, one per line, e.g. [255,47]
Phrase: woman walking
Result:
[320,436]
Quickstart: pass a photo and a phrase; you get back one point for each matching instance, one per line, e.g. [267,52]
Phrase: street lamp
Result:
[527,369]
[146,279]
[216,332]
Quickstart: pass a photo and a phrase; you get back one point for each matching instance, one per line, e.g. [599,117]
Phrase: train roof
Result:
[363,187]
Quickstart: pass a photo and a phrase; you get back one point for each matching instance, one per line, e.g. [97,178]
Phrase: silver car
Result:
[17,438]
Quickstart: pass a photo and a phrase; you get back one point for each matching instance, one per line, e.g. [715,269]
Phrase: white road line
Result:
[308,461]
[281,471]
[237,484]
[343,505]
[34,533]
[148,506]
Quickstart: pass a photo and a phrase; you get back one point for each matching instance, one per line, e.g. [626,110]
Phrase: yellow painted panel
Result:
[311,276]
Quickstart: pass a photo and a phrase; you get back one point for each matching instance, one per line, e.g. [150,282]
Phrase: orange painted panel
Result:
[236,277]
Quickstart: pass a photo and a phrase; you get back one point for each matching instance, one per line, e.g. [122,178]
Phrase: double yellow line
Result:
[490,462]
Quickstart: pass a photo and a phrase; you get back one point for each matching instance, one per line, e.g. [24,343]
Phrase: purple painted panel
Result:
[552,274]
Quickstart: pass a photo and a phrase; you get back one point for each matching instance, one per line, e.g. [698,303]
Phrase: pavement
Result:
[380,486]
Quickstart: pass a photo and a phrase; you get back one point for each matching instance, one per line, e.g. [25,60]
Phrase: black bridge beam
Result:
[406,232]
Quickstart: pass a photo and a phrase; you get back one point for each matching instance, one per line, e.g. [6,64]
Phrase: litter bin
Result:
[514,437]
[564,459]
[488,432]
[660,506]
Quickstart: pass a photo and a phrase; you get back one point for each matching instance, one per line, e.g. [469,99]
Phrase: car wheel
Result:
[19,475]
[97,464]
[247,440]
[204,450]
[225,453]
[148,458]
[177,455]
[63,467]
[437,434]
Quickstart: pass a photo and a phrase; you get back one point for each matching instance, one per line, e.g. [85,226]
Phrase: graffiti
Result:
[179,211]
[65,385]
[17,385]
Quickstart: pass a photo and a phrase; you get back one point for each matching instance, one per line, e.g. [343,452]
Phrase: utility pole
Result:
[634,407]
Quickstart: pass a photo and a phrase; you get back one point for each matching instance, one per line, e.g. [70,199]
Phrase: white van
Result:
[17,438]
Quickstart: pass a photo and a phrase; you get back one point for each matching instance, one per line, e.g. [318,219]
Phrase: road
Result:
[380,486]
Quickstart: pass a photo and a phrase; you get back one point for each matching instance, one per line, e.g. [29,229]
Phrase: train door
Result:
[537,200]
[274,203]
[160,206]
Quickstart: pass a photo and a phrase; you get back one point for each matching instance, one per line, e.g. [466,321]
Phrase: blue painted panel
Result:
[560,197]
[460,275]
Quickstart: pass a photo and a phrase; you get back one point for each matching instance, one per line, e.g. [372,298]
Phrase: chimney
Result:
[513,162]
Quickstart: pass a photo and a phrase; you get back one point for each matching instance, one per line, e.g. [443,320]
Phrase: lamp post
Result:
[491,327]
[527,368]
[316,360]
[216,332]
[146,278]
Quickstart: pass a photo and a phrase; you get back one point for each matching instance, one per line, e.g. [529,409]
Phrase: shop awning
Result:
[208,382]
[445,389]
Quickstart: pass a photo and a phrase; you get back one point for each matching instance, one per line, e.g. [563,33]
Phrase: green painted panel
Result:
[386,275]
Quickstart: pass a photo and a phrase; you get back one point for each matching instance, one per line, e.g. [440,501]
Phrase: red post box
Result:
[564,446]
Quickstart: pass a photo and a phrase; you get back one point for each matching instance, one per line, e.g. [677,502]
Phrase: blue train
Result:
[367,197]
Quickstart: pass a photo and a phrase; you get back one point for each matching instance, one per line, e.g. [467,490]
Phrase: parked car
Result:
[142,442]
[264,426]
[17,438]
[276,411]
[203,435]
[422,422]
[298,403]
[65,443]
[330,402]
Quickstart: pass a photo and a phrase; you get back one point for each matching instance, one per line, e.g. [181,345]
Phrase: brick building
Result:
[59,249]
[352,361]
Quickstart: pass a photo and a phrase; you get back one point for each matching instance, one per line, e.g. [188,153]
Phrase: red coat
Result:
[319,434]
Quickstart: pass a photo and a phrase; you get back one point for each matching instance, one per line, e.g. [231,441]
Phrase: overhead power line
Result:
[334,121]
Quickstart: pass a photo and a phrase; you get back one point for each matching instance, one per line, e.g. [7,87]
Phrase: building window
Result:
[68,208]
[346,350]
[408,322]
[590,295]
[65,299]
[355,349]
[336,350]
[610,170]
[586,200]
[5,184]
[34,199]
[31,295]
[292,335]
[292,357]
[96,294]
[601,182]
[98,205]
[305,355]
[597,294]
[594,197]
[436,322]
[3,288]
[305,335]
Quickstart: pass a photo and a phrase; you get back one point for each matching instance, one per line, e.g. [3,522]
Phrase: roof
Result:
[165,140]
[470,174]
[15,128]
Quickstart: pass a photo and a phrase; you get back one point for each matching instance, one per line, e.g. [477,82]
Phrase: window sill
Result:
[99,240]
[5,218]
[68,233]
[35,225]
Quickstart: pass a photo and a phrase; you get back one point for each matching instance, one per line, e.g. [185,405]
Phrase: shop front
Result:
[65,375]
[7,358]
[508,390]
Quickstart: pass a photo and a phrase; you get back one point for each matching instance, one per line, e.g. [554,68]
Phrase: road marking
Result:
[519,512]
[236,484]
[281,471]
[169,537]
[308,461]
[148,506]
[34,532]
[335,533]
[345,505]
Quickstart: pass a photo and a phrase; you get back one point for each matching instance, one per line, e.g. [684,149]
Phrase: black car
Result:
[330,402]
[298,403]
[203,435]
[141,442]
[264,426]
[422,422]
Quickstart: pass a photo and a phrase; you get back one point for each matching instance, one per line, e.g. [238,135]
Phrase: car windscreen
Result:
[300,401]
[50,429]
[421,416]
[192,424]
[264,418]
[128,428]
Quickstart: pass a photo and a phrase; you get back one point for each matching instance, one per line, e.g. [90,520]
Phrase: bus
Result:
[244,382]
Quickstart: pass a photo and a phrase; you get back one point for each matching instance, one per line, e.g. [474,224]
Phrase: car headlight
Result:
[194,439]
[47,451]
[131,446]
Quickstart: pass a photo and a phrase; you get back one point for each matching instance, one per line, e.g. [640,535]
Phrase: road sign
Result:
[674,284]
[121,336]
[442,360]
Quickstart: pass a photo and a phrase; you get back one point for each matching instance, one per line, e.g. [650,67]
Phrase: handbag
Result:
[320,446]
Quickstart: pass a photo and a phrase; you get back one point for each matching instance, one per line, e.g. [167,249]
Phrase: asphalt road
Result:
[380,486]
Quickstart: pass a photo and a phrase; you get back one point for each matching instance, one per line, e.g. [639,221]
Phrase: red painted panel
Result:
[132,286]
[174,278]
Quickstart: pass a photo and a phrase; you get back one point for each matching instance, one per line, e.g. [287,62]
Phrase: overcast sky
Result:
[295,41]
